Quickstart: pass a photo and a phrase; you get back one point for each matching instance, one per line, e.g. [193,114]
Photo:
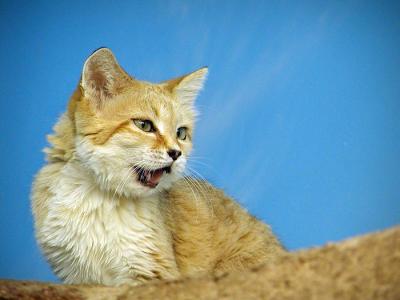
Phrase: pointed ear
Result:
[187,87]
[102,77]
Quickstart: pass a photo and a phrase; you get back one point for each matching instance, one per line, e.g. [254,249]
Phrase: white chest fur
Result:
[94,237]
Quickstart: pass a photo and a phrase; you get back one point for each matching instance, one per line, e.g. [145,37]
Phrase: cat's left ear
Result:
[187,87]
[102,77]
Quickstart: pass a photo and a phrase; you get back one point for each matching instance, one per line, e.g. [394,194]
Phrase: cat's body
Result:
[111,207]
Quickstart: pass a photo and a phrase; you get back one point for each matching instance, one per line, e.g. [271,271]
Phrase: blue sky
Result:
[299,116]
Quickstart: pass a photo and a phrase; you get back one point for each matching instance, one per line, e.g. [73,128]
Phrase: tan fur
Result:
[226,235]
[97,224]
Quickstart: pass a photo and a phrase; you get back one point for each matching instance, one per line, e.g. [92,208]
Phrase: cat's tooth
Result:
[148,176]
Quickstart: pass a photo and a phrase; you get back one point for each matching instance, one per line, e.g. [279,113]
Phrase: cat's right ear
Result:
[102,77]
[187,87]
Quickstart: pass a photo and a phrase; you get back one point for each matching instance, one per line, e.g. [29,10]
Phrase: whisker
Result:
[196,201]
[201,188]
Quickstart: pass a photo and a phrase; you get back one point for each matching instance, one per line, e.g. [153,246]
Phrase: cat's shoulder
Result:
[190,194]
[189,187]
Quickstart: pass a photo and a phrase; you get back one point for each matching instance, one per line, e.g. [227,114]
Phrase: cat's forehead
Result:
[154,100]
[148,101]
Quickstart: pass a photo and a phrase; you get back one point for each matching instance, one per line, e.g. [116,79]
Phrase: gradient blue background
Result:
[300,114]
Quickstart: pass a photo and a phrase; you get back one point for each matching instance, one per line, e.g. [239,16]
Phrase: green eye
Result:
[145,125]
[181,133]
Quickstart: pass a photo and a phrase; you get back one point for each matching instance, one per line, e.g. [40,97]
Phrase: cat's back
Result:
[212,233]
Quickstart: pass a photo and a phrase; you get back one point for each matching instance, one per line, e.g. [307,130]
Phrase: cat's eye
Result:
[181,133]
[145,125]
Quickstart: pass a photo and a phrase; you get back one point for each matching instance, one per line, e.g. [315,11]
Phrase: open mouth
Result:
[151,178]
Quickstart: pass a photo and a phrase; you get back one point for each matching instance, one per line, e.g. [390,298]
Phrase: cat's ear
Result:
[102,77]
[187,87]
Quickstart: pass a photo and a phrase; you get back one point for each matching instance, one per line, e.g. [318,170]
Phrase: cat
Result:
[112,205]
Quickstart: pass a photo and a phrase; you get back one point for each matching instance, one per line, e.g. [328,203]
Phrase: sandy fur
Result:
[97,224]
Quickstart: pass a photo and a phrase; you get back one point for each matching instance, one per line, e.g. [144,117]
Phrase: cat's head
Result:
[133,136]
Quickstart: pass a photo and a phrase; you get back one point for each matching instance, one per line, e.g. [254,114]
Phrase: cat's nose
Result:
[174,154]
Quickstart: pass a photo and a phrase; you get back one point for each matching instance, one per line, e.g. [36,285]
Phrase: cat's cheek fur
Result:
[111,166]
[108,168]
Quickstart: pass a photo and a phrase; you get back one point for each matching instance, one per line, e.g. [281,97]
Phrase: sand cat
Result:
[112,205]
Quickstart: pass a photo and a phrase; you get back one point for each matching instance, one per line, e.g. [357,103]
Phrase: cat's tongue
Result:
[154,178]
[150,178]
